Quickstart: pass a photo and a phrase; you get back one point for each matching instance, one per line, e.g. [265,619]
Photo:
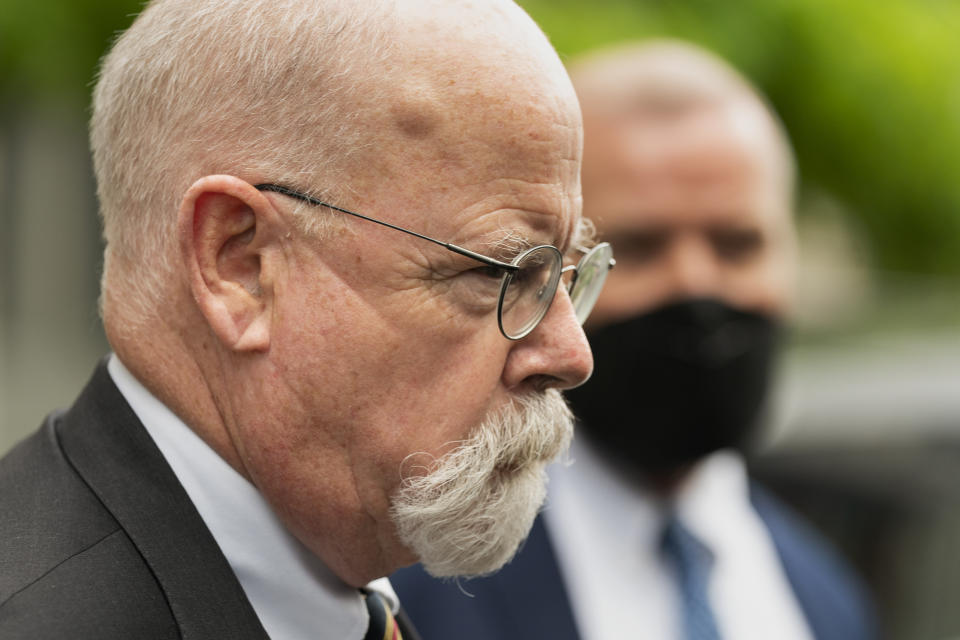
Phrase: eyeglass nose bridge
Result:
[570,268]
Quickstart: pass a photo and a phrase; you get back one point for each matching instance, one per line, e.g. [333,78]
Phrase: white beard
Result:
[469,512]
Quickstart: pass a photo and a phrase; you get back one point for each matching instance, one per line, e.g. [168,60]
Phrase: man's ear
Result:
[226,228]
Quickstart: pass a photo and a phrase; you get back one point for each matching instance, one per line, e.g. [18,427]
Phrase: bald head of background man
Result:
[390,396]
[689,175]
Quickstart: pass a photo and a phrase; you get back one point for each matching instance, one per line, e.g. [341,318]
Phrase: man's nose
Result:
[692,268]
[554,355]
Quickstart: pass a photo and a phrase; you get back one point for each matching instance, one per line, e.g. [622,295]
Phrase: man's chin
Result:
[468,515]
[484,536]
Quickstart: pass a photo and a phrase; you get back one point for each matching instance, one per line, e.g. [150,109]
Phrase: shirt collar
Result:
[713,501]
[293,593]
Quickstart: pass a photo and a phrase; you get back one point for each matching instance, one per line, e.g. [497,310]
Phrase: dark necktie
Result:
[382,624]
[692,562]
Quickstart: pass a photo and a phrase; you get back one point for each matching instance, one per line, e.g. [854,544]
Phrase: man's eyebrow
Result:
[510,245]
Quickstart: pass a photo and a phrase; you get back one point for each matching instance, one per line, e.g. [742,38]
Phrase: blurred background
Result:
[865,435]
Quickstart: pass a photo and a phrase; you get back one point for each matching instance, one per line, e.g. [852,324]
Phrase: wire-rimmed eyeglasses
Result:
[530,280]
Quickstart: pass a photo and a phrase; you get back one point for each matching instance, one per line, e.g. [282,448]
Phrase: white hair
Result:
[467,512]
[262,89]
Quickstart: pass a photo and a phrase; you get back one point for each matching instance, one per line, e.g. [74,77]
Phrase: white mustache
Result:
[466,512]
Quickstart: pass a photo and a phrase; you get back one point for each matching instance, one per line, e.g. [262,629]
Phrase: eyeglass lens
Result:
[591,274]
[528,292]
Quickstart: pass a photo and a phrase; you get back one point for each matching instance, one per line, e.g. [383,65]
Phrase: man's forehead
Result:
[455,59]
[476,132]
[482,172]
[715,160]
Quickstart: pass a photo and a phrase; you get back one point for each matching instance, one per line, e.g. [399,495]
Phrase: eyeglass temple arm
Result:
[447,245]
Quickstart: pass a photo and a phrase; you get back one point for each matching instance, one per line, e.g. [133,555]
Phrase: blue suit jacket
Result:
[527,599]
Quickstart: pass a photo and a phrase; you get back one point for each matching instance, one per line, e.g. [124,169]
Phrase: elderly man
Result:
[655,531]
[335,290]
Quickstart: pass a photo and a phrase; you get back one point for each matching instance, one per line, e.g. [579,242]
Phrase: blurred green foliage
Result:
[49,50]
[869,89]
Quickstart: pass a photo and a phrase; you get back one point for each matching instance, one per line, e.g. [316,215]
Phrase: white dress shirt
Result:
[606,532]
[293,593]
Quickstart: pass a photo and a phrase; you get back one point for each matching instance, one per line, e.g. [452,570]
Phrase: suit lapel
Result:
[407,630]
[110,449]
[833,600]
[532,590]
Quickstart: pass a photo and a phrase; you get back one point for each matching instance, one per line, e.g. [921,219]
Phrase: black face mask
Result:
[677,383]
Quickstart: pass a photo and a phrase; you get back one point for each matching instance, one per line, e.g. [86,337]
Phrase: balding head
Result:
[459,75]
[655,76]
[205,86]
[327,93]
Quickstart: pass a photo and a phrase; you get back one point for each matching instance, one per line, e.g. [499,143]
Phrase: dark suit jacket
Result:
[527,599]
[98,539]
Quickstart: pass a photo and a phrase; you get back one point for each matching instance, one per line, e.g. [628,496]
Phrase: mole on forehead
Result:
[415,120]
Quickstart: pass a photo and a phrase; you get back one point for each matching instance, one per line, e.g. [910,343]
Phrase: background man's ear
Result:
[224,227]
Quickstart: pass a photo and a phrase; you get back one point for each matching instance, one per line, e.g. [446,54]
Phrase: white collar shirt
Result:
[295,596]
[606,531]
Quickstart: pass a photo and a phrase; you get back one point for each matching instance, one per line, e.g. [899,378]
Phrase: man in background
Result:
[335,233]
[655,530]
